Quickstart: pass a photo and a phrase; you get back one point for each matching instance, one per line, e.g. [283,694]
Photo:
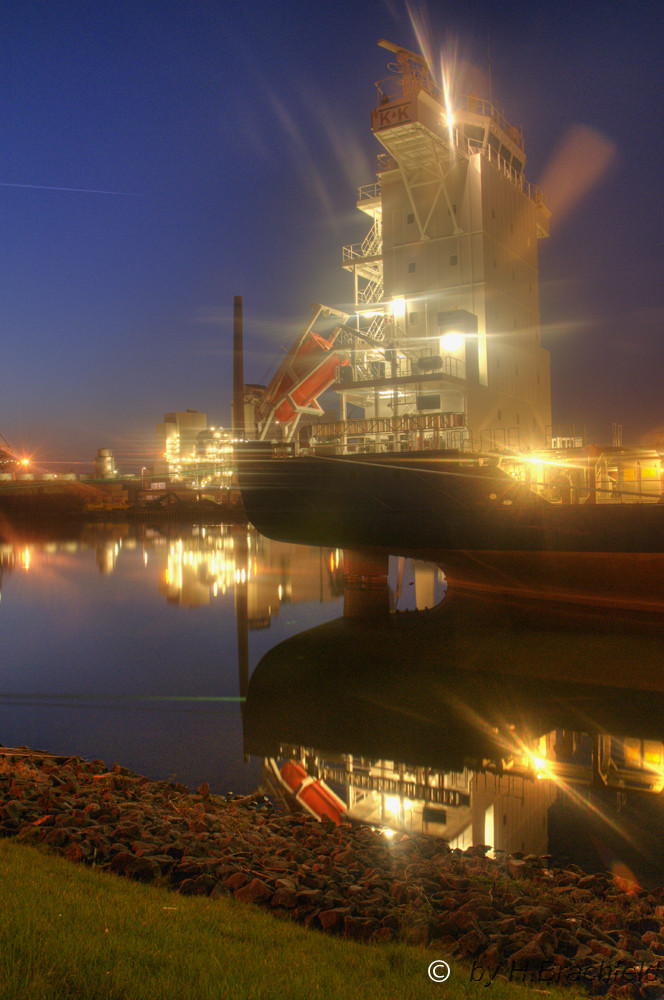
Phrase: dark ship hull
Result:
[441,501]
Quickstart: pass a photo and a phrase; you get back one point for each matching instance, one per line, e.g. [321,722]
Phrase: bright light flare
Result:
[398,307]
[582,159]
[451,342]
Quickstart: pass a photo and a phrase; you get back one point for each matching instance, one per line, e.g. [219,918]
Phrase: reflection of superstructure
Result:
[476,721]
[501,802]
[507,812]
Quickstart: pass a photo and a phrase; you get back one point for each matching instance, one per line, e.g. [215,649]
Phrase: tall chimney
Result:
[237,419]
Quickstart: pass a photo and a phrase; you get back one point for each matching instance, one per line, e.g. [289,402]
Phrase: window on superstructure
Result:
[410,218]
[413,317]
[454,260]
[411,267]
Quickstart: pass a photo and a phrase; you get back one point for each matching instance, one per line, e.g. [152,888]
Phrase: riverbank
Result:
[512,918]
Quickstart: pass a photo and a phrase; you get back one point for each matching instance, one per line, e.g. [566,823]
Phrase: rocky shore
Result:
[515,917]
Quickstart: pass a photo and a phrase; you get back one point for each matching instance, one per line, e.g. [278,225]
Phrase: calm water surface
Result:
[214,654]
[123,645]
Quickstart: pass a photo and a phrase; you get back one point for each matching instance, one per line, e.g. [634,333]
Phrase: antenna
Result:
[488,59]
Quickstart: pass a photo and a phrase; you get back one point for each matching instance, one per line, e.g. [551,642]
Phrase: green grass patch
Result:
[72,933]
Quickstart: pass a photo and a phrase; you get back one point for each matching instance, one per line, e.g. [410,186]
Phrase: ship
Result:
[444,438]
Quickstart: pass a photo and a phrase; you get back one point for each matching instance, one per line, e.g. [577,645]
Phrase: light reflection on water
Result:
[485,720]
[123,645]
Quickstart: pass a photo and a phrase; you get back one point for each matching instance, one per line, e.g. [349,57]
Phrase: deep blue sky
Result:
[232,137]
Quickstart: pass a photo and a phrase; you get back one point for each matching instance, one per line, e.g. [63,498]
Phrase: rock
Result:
[331,919]
[120,861]
[286,898]
[254,892]
[143,869]
[529,956]
[471,943]
[359,928]
[202,885]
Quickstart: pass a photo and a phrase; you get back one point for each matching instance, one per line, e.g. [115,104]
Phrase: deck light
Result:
[451,342]
[398,307]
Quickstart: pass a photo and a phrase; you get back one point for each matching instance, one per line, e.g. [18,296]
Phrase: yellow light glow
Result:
[451,342]
[398,307]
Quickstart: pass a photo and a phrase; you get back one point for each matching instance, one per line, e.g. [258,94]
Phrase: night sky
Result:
[161,157]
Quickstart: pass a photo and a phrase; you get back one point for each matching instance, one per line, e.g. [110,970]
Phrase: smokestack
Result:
[237,418]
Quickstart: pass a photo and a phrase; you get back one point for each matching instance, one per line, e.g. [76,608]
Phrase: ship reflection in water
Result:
[487,719]
[514,702]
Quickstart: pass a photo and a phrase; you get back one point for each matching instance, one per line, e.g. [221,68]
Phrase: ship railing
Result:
[371,246]
[368,191]
[372,291]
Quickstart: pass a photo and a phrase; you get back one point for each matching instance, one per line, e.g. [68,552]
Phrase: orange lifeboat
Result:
[308,373]
[313,794]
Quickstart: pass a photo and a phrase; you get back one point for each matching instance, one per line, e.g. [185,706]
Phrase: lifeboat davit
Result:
[309,373]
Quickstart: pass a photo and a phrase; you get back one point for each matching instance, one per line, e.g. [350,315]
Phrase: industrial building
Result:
[191,451]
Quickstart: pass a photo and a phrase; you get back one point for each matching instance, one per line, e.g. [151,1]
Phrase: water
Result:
[214,654]
[123,645]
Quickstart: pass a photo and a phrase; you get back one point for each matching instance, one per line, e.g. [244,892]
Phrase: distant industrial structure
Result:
[191,451]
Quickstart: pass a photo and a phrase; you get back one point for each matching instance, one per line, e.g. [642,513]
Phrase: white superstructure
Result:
[446,280]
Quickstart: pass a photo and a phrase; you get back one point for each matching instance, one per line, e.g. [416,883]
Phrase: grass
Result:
[71,933]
